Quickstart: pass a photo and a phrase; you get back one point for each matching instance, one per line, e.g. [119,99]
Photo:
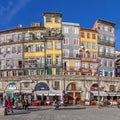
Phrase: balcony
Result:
[86,70]
[89,59]
[54,64]
[71,56]
[71,68]
[106,55]
[106,42]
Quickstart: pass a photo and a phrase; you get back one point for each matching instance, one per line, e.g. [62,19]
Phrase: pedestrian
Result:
[9,105]
[25,104]
[56,104]
[12,101]
[5,104]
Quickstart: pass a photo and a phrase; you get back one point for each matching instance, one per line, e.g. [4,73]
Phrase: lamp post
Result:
[98,86]
[83,49]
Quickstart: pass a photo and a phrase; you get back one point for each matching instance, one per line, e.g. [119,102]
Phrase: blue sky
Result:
[84,12]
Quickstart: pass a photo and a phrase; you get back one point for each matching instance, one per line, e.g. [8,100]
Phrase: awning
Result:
[102,93]
[46,93]
[113,93]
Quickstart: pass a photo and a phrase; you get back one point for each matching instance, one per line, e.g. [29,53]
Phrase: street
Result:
[65,113]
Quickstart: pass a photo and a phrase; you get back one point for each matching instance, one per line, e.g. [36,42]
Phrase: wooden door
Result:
[70,98]
[77,97]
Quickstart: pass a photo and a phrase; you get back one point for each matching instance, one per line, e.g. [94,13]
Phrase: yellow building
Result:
[53,44]
[89,51]
[34,50]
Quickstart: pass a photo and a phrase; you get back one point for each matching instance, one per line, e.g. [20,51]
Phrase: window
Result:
[28,36]
[19,36]
[65,52]
[48,19]
[26,84]
[9,37]
[49,45]
[19,49]
[14,37]
[38,72]
[57,19]
[93,36]
[88,45]
[111,74]
[105,63]
[94,56]
[100,73]
[88,35]
[49,60]
[58,60]
[76,42]
[110,63]
[57,85]
[58,45]
[58,71]
[25,48]
[65,29]
[8,50]
[13,49]
[75,53]
[66,41]
[2,39]
[49,71]
[26,72]
[38,48]
[38,34]
[106,73]
[31,72]
[82,34]
[31,48]
[77,65]
[93,45]
[76,30]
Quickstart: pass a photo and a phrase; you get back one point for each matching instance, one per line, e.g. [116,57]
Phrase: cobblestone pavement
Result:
[65,113]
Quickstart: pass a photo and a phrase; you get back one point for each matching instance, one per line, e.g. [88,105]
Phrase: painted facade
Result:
[89,53]
[70,48]
[48,61]
[106,46]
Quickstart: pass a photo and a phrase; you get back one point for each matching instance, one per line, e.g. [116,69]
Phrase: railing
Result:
[107,55]
[106,42]
[71,55]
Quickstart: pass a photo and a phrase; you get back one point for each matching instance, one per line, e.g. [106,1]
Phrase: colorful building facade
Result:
[106,46]
[89,51]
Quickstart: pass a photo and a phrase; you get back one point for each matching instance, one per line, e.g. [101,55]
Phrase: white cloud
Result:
[10,9]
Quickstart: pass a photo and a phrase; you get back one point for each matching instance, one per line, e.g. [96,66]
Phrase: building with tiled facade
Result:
[106,46]
[47,60]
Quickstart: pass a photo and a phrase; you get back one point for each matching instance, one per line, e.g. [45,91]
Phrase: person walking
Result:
[5,104]
[9,105]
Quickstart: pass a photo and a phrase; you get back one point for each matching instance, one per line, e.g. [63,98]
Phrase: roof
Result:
[106,22]
[53,14]
[87,29]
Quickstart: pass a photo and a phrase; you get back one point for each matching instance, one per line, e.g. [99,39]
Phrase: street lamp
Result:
[83,49]
[98,86]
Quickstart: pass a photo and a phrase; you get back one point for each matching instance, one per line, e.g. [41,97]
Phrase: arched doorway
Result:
[10,90]
[73,93]
[41,92]
[97,92]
